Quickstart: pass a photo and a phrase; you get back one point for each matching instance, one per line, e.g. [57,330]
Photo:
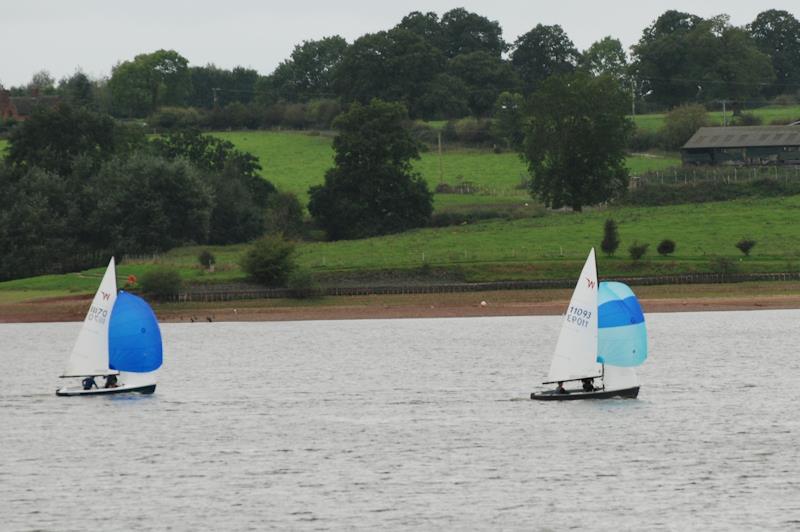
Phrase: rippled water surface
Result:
[398,424]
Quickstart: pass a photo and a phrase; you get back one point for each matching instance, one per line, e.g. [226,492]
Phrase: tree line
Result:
[454,66]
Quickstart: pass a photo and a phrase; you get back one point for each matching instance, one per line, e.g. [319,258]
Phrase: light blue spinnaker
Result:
[134,339]
[621,332]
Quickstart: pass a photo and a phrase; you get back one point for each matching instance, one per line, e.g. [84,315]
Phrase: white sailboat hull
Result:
[68,391]
[144,383]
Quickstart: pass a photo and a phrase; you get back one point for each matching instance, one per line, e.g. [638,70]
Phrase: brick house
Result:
[21,107]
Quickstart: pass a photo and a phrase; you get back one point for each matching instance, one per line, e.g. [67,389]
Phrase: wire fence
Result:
[231,293]
[682,175]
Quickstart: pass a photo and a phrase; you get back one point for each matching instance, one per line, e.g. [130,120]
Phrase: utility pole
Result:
[214,91]
[441,169]
[724,118]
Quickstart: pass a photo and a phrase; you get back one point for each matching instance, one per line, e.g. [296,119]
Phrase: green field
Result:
[295,161]
[550,246]
[654,122]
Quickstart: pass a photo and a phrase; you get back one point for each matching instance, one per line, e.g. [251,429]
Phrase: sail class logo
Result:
[590,283]
[106,295]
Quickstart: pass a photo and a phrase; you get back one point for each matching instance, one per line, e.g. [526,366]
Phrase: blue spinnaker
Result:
[134,339]
[621,333]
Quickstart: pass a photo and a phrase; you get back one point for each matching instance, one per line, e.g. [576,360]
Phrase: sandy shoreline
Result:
[521,303]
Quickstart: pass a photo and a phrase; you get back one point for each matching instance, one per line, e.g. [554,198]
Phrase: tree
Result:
[270,261]
[464,32]
[543,52]
[140,86]
[575,140]
[426,25]
[681,123]
[661,56]
[682,57]
[41,83]
[311,69]
[240,193]
[393,66]
[77,90]
[666,247]
[610,241]
[605,56]
[371,190]
[57,139]
[777,34]
[745,245]
[146,204]
[637,250]
[485,77]
[508,119]
[161,284]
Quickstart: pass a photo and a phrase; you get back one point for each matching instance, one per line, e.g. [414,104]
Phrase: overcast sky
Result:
[62,36]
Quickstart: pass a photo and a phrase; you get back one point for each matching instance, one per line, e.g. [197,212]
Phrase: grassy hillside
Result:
[654,122]
[294,161]
[551,246]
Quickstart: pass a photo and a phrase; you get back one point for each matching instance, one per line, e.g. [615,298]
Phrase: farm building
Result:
[743,145]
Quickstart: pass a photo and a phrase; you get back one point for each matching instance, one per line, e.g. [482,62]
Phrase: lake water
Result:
[407,424]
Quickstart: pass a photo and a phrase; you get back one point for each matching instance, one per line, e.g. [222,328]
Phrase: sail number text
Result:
[97,314]
[578,316]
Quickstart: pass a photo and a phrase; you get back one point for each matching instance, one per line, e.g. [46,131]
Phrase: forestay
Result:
[576,351]
[90,354]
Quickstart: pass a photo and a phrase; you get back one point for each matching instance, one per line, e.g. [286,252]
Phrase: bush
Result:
[302,285]
[610,241]
[175,118]
[644,140]
[270,260]
[666,247]
[206,259]
[681,123]
[637,250]
[745,245]
[284,215]
[747,119]
[161,284]
[722,265]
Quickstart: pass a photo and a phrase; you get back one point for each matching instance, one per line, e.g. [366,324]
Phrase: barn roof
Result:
[744,137]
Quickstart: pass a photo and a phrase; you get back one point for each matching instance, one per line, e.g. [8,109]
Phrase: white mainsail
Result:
[90,354]
[576,351]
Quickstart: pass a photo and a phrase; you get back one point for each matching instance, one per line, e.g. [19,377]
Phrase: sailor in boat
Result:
[588,385]
[111,381]
[88,383]
[560,389]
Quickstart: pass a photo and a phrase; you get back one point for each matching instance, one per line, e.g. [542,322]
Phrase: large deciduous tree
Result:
[372,189]
[485,77]
[777,34]
[394,65]
[683,58]
[575,140]
[605,56]
[543,52]
[140,86]
[57,139]
[464,32]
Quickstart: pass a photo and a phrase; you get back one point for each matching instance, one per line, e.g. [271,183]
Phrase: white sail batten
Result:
[576,351]
[90,354]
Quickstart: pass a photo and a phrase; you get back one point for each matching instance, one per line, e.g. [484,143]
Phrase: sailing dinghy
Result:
[603,337]
[120,341]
